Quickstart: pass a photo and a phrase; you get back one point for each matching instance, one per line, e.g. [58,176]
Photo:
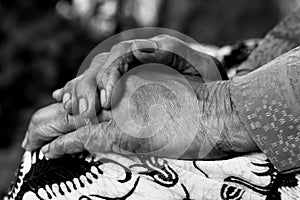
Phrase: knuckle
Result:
[99,59]
[86,82]
[70,84]
[99,81]
[69,122]
[58,145]
[66,120]
[121,46]
[168,41]
[84,133]
[35,117]
[102,77]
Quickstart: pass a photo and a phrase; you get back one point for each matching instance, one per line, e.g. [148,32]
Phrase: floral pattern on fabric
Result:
[113,176]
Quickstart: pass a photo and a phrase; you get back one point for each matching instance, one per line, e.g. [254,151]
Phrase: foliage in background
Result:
[39,51]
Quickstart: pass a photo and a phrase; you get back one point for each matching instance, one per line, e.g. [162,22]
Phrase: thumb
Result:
[151,51]
[166,50]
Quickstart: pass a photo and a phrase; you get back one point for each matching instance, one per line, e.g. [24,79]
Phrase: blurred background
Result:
[42,44]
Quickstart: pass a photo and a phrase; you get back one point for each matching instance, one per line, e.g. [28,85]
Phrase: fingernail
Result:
[66,97]
[145,46]
[82,105]
[103,96]
[45,149]
[68,106]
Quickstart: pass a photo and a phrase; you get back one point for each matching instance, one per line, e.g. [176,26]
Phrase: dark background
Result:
[42,44]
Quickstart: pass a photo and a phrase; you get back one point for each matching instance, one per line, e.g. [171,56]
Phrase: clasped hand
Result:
[171,115]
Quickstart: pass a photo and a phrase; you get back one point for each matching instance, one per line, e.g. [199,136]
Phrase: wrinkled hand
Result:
[206,127]
[151,120]
[80,96]
[51,122]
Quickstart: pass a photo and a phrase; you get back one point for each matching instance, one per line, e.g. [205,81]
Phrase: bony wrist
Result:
[221,122]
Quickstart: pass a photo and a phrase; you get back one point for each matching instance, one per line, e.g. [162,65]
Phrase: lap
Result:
[113,176]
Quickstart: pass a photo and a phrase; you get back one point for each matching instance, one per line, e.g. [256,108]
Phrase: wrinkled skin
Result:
[216,130]
[80,96]
[219,126]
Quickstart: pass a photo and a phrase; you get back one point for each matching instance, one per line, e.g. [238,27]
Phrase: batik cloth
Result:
[112,176]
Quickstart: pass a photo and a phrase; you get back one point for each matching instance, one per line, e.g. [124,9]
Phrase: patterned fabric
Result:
[112,176]
[268,99]
[268,103]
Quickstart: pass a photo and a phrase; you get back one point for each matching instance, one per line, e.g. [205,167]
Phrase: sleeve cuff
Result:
[269,109]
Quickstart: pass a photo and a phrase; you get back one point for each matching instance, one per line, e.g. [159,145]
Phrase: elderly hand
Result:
[206,127]
[81,96]
[50,122]
[157,114]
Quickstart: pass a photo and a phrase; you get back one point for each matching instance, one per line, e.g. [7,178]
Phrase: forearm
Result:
[268,103]
[220,123]
[190,123]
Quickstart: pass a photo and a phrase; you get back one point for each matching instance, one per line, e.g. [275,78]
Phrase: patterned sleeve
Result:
[268,102]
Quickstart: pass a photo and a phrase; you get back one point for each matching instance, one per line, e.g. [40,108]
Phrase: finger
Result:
[147,50]
[177,54]
[102,97]
[117,64]
[86,90]
[120,60]
[44,114]
[169,51]
[88,98]
[69,94]
[95,137]
[51,129]
[48,130]
[97,63]
[57,94]
[52,124]
[72,105]
[110,82]
[67,102]
[164,50]
[189,61]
